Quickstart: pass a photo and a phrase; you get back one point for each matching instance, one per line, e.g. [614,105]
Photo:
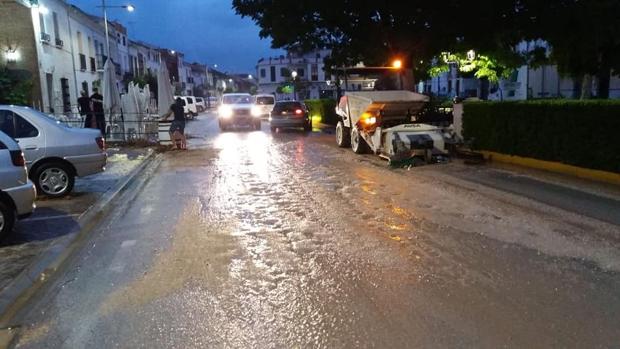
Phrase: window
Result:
[124,41]
[263,73]
[85,86]
[42,22]
[79,40]
[273,74]
[56,29]
[301,72]
[314,72]
[284,72]
[15,126]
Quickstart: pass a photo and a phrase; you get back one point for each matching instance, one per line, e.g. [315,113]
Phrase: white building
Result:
[272,73]
[144,59]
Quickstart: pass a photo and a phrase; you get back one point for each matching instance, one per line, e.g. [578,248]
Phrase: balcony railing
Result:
[59,42]
[82,62]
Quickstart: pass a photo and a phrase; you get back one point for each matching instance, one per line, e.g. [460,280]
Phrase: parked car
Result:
[238,109]
[200,104]
[289,114]
[265,103]
[17,193]
[189,106]
[214,102]
[55,153]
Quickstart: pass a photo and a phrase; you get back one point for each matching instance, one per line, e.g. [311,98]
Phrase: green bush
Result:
[579,133]
[325,108]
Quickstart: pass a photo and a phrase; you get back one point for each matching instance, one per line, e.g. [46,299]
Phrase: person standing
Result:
[84,106]
[178,123]
[97,109]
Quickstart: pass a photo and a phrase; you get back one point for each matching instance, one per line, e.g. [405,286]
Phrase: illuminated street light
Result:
[104,7]
[172,51]
[12,56]
[294,74]
[250,76]
[397,64]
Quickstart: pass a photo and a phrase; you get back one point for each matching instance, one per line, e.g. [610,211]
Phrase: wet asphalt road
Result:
[268,241]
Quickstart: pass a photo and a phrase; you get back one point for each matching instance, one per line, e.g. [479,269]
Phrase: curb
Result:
[556,167]
[40,271]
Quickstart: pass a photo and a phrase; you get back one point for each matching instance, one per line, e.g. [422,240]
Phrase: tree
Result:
[584,35]
[15,87]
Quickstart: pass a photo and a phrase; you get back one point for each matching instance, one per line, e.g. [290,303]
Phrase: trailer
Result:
[383,122]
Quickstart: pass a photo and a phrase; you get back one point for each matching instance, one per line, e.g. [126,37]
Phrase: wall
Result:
[17,31]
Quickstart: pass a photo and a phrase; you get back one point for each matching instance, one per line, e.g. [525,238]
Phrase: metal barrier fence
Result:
[120,130]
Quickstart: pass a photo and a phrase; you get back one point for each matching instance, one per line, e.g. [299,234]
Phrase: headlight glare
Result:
[225,112]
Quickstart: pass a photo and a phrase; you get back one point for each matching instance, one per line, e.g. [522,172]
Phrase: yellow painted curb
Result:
[586,173]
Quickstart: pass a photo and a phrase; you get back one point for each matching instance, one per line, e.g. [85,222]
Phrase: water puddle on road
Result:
[185,260]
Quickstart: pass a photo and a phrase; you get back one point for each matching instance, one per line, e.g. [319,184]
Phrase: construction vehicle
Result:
[384,123]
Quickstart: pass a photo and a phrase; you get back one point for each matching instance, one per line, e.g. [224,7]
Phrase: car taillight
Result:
[101,143]
[18,158]
[299,111]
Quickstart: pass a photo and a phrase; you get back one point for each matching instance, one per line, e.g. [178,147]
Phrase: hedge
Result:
[579,133]
[323,108]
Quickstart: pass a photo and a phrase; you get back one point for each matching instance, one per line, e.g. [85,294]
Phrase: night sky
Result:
[207,31]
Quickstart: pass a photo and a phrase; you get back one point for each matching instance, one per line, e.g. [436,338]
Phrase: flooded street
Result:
[260,240]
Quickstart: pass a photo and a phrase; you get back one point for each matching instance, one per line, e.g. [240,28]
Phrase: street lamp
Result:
[104,7]
[398,65]
[294,76]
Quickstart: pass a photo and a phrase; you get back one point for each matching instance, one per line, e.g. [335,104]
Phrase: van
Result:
[189,106]
[265,103]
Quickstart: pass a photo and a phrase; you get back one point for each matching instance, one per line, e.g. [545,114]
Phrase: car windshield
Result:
[237,99]
[288,106]
[265,100]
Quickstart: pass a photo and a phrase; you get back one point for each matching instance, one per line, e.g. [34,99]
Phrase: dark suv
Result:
[288,114]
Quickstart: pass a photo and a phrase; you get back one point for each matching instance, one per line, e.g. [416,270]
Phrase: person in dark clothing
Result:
[97,108]
[84,106]
[177,128]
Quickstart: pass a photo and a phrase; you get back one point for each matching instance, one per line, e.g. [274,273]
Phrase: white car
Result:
[189,106]
[238,109]
[55,153]
[17,193]
[265,103]
[200,104]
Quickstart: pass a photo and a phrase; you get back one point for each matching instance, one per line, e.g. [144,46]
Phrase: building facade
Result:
[308,68]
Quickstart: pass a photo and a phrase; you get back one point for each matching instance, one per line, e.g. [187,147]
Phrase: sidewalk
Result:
[56,218]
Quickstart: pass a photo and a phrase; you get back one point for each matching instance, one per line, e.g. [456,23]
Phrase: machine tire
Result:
[343,135]
[358,144]
[7,219]
[257,125]
[273,129]
[308,126]
[54,172]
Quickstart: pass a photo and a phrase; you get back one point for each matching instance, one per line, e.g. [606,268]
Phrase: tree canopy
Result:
[583,34]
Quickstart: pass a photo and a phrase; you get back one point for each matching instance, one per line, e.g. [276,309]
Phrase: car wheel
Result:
[7,218]
[54,180]
[273,129]
[308,126]
[257,126]
[358,144]
[343,137]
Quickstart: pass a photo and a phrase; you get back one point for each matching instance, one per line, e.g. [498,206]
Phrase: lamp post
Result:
[104,7]
[294,76]
[398,65]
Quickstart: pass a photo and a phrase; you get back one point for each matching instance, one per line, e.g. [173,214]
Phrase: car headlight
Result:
[225,112]
[256,112]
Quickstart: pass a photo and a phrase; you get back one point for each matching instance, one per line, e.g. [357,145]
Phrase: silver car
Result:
[17,193]
[55,153]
